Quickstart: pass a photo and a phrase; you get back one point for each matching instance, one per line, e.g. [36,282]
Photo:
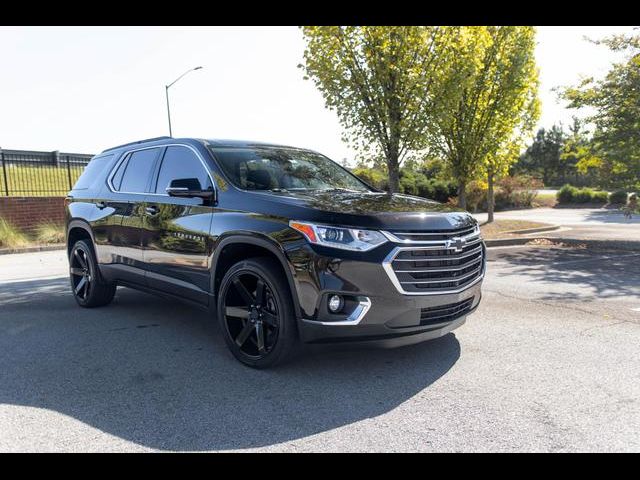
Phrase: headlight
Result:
[346,238]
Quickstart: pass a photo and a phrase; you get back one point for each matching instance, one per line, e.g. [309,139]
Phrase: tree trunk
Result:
[394,172]
[490,198]
[462,195]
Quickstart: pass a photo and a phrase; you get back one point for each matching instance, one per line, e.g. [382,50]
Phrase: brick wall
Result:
[26,213]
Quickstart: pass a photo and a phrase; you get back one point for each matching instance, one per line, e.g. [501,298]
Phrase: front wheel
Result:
[256,313]
[88,287]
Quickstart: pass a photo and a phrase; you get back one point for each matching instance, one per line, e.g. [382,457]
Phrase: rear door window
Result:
[178,163]
[137,171]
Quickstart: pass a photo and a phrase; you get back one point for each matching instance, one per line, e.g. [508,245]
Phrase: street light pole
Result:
[166,91]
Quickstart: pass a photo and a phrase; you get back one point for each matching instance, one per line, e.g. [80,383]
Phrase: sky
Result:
[84,89]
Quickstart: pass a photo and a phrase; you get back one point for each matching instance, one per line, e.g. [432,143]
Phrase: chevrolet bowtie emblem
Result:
[456,243]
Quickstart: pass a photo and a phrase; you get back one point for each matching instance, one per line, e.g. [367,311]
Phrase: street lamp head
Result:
[166,91]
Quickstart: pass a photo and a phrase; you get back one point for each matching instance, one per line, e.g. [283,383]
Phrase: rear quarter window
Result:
[92,172]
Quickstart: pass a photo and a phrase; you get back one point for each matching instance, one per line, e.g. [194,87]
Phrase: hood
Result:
[382,211]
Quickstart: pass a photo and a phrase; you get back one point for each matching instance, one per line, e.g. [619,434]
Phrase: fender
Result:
[259,241]
[78,223]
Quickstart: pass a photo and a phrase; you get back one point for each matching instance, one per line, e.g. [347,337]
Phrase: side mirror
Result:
[188,188]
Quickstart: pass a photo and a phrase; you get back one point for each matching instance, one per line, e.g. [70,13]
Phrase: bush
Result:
[476,195]
[408,182]
[583,195]
[600,197]
[516,191]
[50,233]
[619,197]
[373,177]
[10,237]
[567,194]
[443,190]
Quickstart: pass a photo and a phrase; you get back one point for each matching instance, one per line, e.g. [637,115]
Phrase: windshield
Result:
[284,169]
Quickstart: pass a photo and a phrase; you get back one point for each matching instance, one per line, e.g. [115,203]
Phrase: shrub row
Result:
[570,194]
[411,183]
[619,197]
[437,190]
[518,191]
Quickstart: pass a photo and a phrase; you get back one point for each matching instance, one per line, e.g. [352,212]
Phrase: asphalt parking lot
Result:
[549,362]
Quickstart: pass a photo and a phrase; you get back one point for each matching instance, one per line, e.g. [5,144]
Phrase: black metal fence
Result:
[29,173]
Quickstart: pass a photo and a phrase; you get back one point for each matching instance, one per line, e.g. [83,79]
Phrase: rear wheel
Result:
[88,287]
[256,313]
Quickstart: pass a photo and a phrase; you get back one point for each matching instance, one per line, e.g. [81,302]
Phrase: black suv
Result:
[281,244]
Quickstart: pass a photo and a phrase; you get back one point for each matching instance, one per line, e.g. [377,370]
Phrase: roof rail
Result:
[137,142]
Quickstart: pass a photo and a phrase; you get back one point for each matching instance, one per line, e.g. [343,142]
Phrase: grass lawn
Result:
[41,181]
[498,228]
[545,200]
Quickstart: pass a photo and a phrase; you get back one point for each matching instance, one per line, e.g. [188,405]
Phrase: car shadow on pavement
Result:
[157,373]
[594,274]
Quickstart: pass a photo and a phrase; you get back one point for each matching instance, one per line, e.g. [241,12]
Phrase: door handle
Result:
[152,210]
[101,205]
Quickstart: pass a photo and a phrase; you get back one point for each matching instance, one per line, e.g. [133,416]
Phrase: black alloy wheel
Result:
[88,287]
[80,274]
[256,314]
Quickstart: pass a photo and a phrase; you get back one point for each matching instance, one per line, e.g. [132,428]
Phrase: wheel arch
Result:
[236,247]
[77,230]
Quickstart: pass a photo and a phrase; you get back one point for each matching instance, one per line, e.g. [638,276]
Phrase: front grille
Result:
[445,313]
[419,237]
[448,264]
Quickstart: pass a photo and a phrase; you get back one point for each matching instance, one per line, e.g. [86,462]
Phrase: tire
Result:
[273,315]
[87,285]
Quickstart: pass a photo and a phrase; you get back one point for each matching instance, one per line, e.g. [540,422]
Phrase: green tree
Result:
[382,82]
[543,156]
[496,81]
[578,154]
[615,101]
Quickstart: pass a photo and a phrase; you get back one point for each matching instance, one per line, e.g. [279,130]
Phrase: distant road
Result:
[581,223]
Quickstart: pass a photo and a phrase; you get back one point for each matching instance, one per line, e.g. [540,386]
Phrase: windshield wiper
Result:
[340,190]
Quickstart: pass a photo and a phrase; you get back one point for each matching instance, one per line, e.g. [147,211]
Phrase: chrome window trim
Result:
[386,264]
[128,152]
[354,319]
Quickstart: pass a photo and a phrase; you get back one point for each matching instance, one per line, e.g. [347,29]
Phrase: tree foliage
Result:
[495,79]
[466,94]
[382,82]
[543,155]
[615,102]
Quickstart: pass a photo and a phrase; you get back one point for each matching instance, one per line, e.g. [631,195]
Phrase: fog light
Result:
[335,303]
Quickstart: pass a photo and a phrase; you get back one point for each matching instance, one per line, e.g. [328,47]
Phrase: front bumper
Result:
[391,318]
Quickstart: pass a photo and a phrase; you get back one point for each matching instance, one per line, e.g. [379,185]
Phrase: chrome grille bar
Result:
[444,279]
[436,267]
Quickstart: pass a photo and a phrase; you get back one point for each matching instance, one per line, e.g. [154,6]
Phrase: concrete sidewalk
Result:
[578,223]
[18,267]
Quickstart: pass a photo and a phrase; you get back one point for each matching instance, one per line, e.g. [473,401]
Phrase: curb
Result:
[535,230]
[628,245]
[507,242]
[40,248]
